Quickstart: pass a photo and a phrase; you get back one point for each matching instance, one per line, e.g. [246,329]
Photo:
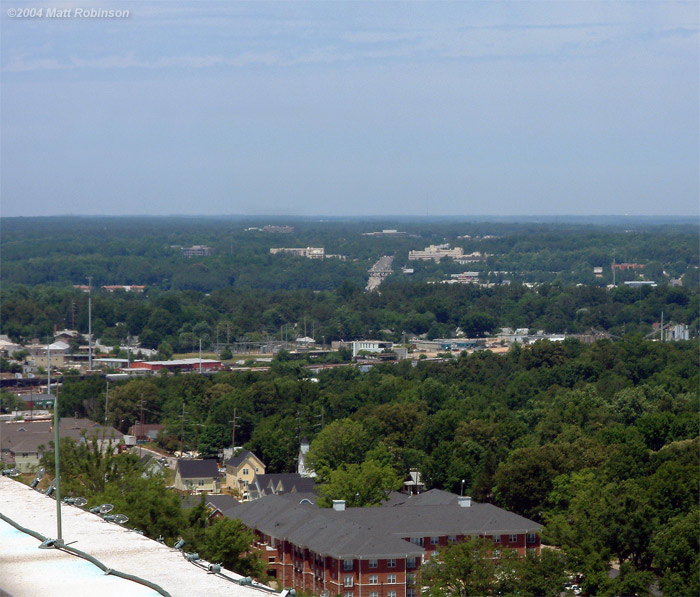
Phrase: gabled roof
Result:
[377,532]
[238,459]
[284,483]
[197,469]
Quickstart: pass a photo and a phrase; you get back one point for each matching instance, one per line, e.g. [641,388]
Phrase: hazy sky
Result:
[358,108]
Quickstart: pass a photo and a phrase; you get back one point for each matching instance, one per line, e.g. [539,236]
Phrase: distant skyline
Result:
[350,108]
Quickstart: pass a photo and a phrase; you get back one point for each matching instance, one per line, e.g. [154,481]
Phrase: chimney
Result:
[464,501]
[339,505]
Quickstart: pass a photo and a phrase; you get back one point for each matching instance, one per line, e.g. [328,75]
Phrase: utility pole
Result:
[233,435]
[106,402]
[90,323]
[182,427]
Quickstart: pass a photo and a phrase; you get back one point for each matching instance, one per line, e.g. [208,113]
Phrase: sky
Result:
[350,108]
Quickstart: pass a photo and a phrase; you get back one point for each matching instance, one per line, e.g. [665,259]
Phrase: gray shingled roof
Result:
[197,469]
[376,532]
[239,458]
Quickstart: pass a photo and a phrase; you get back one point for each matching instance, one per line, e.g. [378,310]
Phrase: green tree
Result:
[461,570]
[227,542]
[342,442]
[366,484]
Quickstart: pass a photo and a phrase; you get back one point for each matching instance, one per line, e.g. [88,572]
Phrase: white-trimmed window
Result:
[391,579]
[391,563]
[391,594]
[410,593]
[496,538]
[434,540]
[348,594]
[374,594]
[452,539]
[410,562]
[347,565]
[348,580]
[531,538]
[373,579]
[373,563]
[512,538]
[418,541]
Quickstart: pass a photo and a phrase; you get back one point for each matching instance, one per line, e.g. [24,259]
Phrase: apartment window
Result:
[347,565]
[374,594]
[373,563]
[257,470]
[391,579]
[512,538]
[410,562]
[417,541]
[348,581]
[434,554]
[391,594]
[373,579]
[348,594]
[496,538]
[410,593]
[496,553]
[410,579]
[452,539]
[531,538]
[434,540]
[246,471]
[201,482]
[391,563]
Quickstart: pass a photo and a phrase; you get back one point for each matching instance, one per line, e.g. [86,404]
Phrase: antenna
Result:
[89,278]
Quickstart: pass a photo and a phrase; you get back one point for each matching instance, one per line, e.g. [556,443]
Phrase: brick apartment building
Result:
[372,552]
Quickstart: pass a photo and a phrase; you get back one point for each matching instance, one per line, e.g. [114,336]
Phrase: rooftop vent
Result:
[464,501]
[339,505]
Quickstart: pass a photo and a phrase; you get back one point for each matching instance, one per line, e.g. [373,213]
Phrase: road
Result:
[379,271]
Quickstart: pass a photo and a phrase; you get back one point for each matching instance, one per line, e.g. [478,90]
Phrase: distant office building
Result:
[125,288]
[387,232]
[435,253]
[308,252]
[197,251]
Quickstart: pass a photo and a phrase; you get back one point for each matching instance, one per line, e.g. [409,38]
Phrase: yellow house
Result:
[241,470]
[197,475]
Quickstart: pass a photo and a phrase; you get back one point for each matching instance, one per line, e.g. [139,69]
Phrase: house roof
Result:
[316,529]
[197,469]
[283,483]
[238,459]
[380,531]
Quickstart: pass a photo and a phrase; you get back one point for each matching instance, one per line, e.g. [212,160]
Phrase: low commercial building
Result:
[182,365]
[373,346]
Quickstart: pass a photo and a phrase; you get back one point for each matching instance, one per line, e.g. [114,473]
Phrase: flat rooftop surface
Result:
[26,570]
